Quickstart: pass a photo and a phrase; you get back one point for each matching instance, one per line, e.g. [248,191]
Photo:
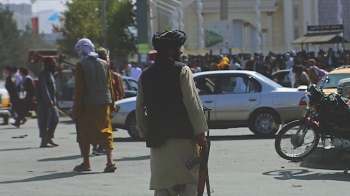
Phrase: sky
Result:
[40,5]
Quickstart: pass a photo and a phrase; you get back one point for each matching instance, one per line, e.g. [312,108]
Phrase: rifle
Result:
[202,160]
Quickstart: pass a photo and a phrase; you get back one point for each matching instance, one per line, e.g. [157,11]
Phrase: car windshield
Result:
[70,83]
[269,81]
[333,80]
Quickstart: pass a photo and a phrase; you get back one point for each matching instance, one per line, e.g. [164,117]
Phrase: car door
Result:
[206,88]
[237,96]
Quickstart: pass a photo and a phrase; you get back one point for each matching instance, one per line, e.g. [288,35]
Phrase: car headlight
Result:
[117,108]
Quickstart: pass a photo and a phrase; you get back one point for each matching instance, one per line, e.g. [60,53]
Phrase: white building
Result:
[280,21]
[22,14]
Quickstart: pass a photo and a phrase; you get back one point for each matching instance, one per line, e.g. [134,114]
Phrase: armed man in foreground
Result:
[170,116]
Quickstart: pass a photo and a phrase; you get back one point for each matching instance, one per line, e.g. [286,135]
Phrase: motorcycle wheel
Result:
[288,139]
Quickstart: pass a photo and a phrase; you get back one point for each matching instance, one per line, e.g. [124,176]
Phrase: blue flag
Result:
[54,17]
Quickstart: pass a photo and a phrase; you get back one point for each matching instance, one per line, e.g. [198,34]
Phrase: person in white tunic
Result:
[170,116]
[135,71]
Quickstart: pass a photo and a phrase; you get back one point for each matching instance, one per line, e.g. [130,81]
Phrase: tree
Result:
[121,40]
[11,46]
[14,48]
[83,19]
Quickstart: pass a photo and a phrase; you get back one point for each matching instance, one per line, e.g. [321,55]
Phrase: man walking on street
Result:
[47,115]
[10,86]
[93,103]
[28,91]
[170,116]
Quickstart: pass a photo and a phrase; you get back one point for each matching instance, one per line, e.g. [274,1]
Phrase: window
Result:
[282,77]
[238,84]
[70,83]
[286,78]
[296,13]
[269,81]
[133,85]
[333,80]
[125,85]
[296,32]
[205,86]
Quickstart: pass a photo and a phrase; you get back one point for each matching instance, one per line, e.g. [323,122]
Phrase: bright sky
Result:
[40,5]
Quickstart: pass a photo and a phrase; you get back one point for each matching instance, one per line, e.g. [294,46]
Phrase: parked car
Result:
[5,102]
[238,98]
[334,78]
[5,97]
[343,88]
[65,101]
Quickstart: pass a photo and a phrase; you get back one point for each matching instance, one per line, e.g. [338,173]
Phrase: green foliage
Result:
[10,47]
[168,28]
[13,47]
[83,19]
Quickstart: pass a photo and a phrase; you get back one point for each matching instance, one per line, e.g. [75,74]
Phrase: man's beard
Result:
[51,69]
[177,56]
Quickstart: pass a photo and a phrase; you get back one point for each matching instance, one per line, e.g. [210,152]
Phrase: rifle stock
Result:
[203,177]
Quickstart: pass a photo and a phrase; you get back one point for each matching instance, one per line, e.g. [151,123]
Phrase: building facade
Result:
[22,14]
[280,21]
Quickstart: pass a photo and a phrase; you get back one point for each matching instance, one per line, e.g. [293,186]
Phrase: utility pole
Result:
[104,23]
[143,37]
[223,9]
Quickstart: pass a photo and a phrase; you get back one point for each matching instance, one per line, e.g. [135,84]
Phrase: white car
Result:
[5,97]
[5,102]
[238,98]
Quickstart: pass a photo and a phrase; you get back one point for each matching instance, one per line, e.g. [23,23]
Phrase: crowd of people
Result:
[305,68]
[26,95]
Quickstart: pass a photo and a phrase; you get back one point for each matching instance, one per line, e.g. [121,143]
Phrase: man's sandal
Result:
[81,168]
[110,168]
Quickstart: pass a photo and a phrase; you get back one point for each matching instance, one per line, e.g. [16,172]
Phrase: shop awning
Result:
[331,37]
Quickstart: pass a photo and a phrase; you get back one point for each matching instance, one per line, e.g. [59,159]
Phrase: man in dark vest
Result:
[10,85]
[28,96]
[47,114]
[170,116]
[93,102]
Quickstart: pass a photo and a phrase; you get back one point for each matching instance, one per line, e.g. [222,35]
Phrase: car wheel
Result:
[133,129]
[264,123]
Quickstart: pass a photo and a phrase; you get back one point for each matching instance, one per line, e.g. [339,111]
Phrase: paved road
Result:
[240,164]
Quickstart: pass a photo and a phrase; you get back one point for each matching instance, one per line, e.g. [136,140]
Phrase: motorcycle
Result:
[327,118]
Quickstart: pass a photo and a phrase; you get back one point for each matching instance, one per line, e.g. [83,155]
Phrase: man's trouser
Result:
[178,190]
[48,118]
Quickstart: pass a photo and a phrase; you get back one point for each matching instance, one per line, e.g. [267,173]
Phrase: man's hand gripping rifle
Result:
[202,161]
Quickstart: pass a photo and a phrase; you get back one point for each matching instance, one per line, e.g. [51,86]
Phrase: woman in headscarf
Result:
[93,102]
[224,63]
